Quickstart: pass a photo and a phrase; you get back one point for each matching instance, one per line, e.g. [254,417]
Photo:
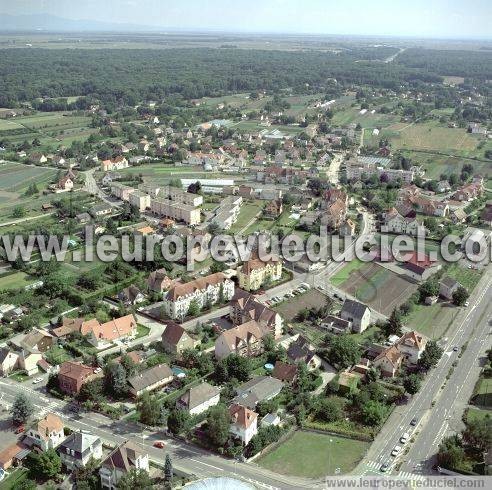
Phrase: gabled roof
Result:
[284,371]
[150,376]
[199,394]
[254,264]
[392,354]
[75,370]
[197,285]
[241,416]
[116,328]
[354,308]
[49,424]
[123,457]
[172,333]
[255,310]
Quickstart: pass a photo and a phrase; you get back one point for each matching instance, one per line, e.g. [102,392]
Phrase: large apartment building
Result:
[172,193]
[356,170]
[228,212]
[175,210]
[204,290]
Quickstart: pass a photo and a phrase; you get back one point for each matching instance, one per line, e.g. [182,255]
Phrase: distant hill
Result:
[52,23]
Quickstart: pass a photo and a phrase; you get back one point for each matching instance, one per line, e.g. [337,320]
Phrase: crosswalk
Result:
[372,468]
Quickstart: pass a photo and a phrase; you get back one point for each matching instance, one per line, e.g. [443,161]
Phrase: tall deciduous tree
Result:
[21,409]
[218,423]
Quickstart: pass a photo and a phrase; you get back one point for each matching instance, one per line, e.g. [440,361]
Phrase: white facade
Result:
[245,433]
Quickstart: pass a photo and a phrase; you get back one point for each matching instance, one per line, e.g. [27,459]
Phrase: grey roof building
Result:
[199,398]
[258,389]
[357,313]
[150,379]
[78,448]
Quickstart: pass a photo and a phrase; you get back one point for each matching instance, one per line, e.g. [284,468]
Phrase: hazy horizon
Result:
[442,19]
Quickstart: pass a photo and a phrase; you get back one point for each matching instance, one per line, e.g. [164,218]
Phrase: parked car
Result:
[404,438]
[384,467]
[396,451]
[37,380]
[159,444]
[19,430]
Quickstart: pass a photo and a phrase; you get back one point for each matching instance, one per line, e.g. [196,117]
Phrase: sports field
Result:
[375,285]
[314,455]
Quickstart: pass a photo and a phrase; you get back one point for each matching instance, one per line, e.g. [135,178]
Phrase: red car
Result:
[159,444]
[19,430]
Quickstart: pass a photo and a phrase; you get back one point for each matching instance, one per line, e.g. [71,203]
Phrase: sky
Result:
[456,19]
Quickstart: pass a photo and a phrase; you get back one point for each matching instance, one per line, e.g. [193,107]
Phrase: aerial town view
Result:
[245,245]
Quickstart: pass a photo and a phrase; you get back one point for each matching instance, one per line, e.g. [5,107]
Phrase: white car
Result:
[404,438]
[396,451]
[37,380]
[467,303]
[97,370]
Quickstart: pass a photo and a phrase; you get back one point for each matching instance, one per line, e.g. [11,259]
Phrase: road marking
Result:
[206,464]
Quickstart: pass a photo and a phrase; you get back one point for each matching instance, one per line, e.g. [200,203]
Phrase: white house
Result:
[199,398]
[47,433]
[78,448]
[244,423]
[412,345]
[357,313]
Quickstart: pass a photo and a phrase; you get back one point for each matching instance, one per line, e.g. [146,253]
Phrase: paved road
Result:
[185,457]
[92,187]
[470,325]
[473,338]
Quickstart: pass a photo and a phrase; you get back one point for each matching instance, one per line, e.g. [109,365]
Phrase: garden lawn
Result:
[313,455]
[142,331]
[473,414]
[14,281]
[482,395]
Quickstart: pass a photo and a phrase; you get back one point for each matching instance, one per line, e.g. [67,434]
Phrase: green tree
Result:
[135,479]
[218,423]
[374,412]
[393,326]
[18,212]
[178,421]
[128,365]
[478,433]
[168,470]
[412,383]
[329,409]
[451,454]
[344,351]
[194,308]
[21,409]
[115,379]
[47,464]
[150,409]
[431,355]
[460,296]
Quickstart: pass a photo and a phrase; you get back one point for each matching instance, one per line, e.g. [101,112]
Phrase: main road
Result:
[438,399]
[186,457]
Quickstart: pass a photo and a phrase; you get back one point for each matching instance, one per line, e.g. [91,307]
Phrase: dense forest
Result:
[129,76]
[116,76]
[469,64]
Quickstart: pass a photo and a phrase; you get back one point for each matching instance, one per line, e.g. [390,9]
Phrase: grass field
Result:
[482,394]
[247,212]
[468,278]
[473,414]
[313,455]
[290,308]
[51,128]
[15,280]
[433,320]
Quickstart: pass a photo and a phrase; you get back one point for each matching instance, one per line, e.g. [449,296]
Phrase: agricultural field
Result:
[376,286]
[320,455]
[17,177]
[429,136]
[368,120]
[53,129]
[468,278]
